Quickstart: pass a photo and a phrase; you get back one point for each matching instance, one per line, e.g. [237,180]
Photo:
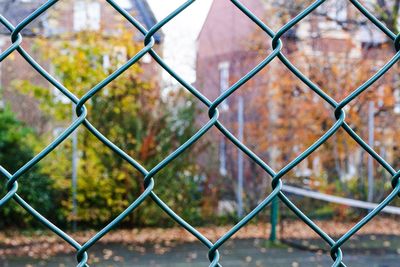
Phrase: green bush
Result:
[36,188]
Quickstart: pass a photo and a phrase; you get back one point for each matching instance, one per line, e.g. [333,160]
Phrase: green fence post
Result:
[274,219]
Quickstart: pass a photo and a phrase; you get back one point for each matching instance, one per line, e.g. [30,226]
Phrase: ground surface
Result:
[376,245]
[247,252]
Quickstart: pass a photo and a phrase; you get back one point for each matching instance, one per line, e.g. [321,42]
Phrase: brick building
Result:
[230,45]
[61,19]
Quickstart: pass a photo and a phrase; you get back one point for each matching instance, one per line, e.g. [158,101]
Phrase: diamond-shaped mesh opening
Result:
[294,20]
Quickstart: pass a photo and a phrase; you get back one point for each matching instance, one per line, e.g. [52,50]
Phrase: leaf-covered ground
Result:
[236,253]
[378,244]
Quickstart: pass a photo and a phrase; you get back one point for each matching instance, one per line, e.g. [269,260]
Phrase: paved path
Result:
[238,253]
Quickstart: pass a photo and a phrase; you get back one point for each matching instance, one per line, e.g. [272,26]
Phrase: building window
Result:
[335,13]
[380,96]
[106,62]
[120,55]
[340,11]
[86,16]
[117,58]
[397,101]
[224,82]
[336,10]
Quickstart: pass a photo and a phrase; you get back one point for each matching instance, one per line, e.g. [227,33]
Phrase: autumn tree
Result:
[283,116]
[337,62]
[134,113]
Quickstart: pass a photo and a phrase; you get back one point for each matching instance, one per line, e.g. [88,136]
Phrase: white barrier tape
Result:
[339,200]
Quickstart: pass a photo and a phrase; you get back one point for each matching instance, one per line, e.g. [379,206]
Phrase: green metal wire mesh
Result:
[150,175]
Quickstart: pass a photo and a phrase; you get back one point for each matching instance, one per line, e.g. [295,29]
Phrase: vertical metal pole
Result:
[74,171]
[240,159]
[371,111]
[274,219]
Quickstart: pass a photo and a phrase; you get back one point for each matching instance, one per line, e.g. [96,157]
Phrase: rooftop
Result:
[16,10]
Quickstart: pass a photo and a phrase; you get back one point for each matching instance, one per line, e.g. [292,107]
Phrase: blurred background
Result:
[82,185]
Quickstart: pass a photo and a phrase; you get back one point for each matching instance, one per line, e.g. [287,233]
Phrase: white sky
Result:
[180,34]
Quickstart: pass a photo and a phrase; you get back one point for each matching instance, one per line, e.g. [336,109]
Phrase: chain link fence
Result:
[149,176]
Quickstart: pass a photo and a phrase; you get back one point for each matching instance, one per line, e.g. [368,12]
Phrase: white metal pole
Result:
[240,158]
[371,111]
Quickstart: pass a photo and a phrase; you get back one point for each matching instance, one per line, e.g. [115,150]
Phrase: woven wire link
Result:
[149,175]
